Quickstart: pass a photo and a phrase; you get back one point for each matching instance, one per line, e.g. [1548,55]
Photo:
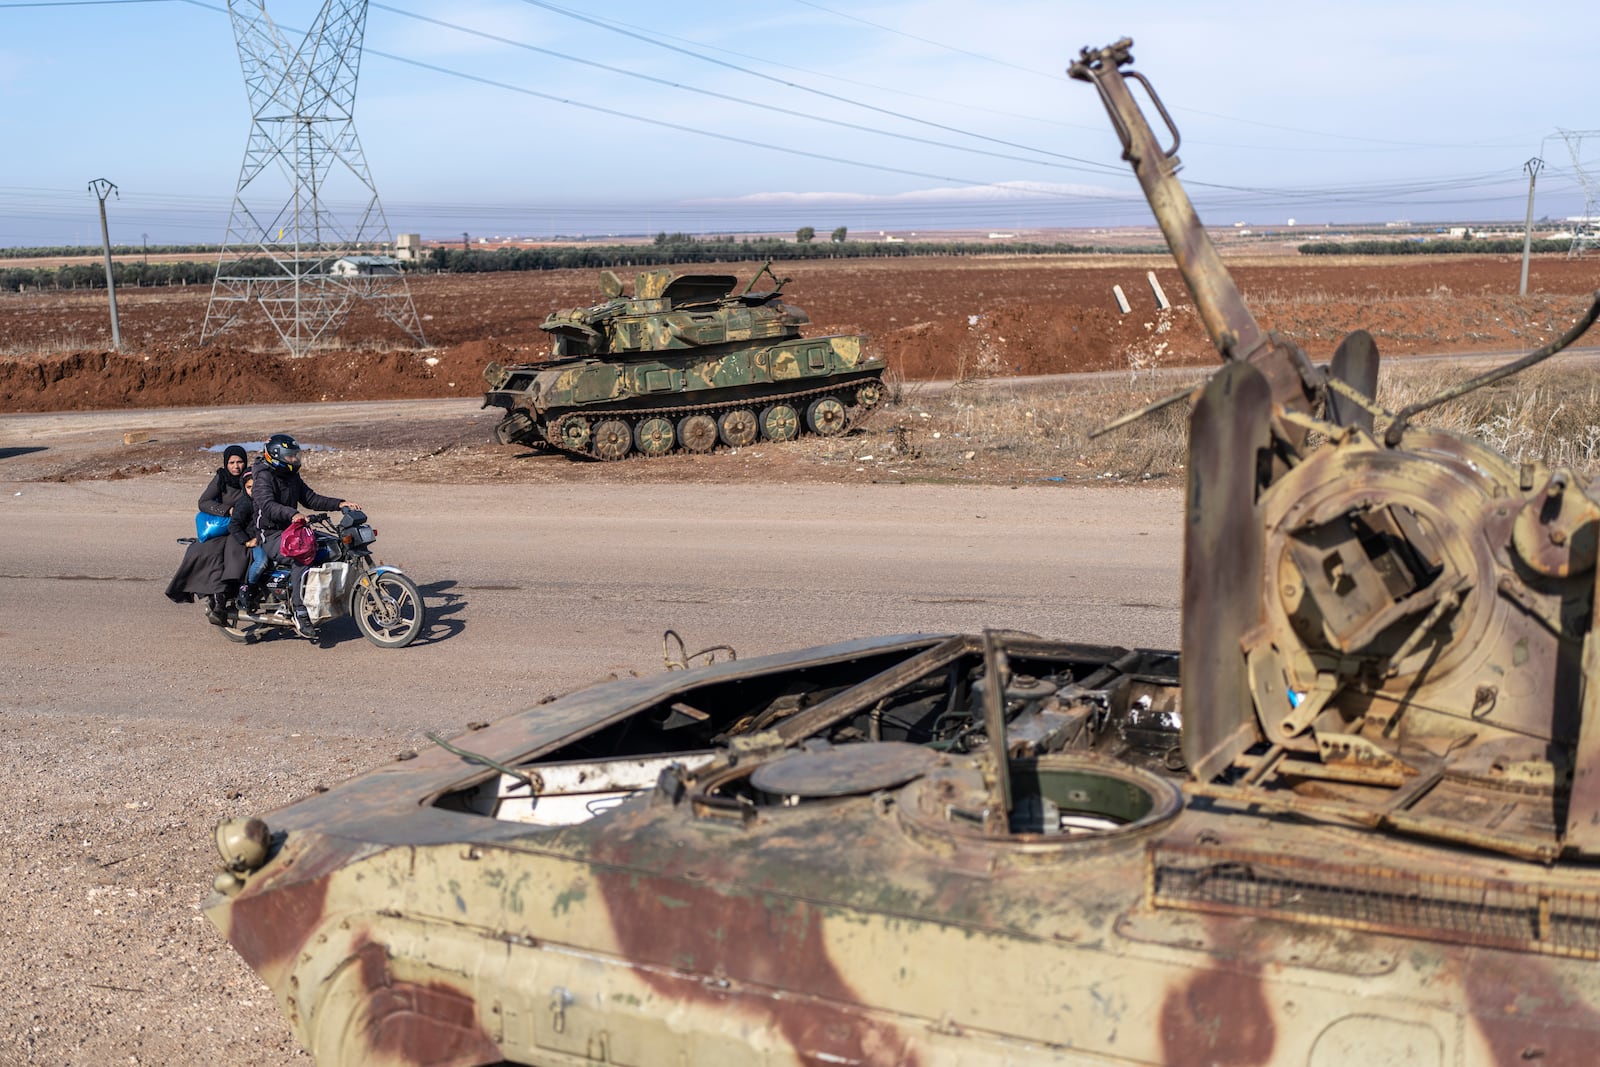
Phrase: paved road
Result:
[130,726]
[533,592]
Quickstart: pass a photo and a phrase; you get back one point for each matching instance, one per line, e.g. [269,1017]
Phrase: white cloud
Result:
[977,194]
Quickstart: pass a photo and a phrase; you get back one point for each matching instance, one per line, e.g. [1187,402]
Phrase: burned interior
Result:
[857,727]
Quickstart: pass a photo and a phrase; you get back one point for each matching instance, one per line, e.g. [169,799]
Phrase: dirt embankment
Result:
[930,318]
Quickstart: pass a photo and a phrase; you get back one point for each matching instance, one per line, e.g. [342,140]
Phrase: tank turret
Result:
[686,362]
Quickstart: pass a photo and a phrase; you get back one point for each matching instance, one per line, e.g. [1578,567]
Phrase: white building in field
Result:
[352,266]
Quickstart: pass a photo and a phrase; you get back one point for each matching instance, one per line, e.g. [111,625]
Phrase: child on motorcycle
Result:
[242,528]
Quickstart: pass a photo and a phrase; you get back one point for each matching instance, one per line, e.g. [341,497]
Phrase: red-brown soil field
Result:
[932,317]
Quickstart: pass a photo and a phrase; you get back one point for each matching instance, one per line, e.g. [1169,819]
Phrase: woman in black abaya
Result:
[213,568]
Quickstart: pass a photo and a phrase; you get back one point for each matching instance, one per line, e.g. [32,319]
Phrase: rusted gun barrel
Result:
[1233,329]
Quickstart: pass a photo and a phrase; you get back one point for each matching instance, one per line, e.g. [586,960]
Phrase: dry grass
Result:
[981,428]
[989,429]
[1550,413]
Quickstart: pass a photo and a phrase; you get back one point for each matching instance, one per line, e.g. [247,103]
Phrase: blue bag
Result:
[208,526]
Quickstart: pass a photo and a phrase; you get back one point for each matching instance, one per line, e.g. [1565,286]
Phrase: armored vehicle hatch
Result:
[687,362]
[1356,821]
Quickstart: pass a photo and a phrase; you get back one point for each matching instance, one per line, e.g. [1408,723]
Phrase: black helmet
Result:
[283,452]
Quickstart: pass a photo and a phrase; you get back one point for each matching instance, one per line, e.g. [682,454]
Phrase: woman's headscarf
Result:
[228,477]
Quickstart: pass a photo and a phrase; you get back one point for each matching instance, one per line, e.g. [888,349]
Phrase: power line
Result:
[1095,165]
[1084,164]
[875,86]
[1222,194]
[1055,77]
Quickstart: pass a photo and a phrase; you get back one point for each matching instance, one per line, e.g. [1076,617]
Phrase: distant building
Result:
[351,266]
[408,247]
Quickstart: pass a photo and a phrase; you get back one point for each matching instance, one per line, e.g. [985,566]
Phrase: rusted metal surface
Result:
[1222,552]
[1354,821]
[1355,363]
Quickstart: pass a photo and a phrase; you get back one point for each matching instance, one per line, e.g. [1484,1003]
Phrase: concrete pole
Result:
[1155,287]
[1533,167]
[101,188]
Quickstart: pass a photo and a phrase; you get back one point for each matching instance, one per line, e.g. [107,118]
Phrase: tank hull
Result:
[864,928]
[543,402]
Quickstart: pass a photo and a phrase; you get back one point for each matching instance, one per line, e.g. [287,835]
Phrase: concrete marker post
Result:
[1155,287]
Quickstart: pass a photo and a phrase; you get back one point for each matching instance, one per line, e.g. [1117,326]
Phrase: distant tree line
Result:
[67,251]
[127,274]
[1441,246]
[666,250]
[64,251]
[669,249]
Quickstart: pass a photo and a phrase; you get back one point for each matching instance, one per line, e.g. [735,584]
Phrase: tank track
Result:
[551,436]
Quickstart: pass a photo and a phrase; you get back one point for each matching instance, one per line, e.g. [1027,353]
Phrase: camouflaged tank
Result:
[1354,820]
[687,362]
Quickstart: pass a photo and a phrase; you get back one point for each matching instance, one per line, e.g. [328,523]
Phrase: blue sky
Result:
[895,115]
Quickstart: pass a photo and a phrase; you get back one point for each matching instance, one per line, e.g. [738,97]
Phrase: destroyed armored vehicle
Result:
[686,362]
[1356,821]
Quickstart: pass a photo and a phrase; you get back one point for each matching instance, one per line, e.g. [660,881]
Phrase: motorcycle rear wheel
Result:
[388,609]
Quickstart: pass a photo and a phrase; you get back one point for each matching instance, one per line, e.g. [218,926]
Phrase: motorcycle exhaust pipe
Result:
[264,618]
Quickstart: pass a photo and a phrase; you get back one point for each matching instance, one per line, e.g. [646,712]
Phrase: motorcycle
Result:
[344,579]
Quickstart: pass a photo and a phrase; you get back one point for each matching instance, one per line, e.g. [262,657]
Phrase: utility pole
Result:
[1532,168]
[101,189]
[146,239]
[466,245]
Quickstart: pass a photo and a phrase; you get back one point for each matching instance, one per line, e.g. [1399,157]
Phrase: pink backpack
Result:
[298,544]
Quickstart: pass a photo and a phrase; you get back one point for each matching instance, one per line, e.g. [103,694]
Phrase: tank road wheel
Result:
[612,439]
[738,427]
[697,433]
[654,436]
[573,433]
[780,422]
[515,428]
[869,395]
[826,416]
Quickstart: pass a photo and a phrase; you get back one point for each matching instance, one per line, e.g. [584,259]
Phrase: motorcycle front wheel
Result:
[388,609]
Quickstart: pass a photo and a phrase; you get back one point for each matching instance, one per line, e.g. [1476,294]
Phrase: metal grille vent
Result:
[1435,907]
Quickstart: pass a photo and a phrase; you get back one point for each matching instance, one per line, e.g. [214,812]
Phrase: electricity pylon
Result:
[1585,231]
[305,197]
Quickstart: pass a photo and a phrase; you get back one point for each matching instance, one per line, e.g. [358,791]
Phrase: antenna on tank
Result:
[305,201]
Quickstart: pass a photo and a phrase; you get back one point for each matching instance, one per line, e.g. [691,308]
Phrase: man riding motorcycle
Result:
[278,494]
